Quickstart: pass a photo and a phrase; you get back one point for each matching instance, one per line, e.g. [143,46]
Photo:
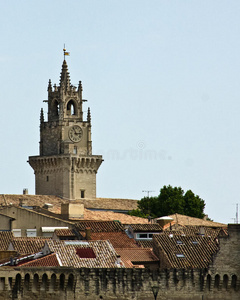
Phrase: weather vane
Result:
[65,53]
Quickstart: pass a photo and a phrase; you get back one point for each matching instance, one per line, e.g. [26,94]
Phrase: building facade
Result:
[65,166]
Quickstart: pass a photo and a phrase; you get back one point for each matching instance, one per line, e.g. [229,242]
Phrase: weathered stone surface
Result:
[92,284]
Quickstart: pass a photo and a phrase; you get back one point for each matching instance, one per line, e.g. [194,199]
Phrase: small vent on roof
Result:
[76,243]
[47,205]
[180,243]
[180,255]
[195,242]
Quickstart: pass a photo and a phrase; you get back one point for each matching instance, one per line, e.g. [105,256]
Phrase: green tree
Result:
[193,205]
[171,200]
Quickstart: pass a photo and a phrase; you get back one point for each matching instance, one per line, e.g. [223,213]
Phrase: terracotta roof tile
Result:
[27,245]
[111,216]
[177,251]
[145,244]
[46,261]
[117,239]
[137,255]
[146,227]
[99,226]
[110,203]
[64,232]
[186,220]
[5,238]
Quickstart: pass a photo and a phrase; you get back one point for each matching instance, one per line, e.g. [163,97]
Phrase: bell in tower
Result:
[65,167]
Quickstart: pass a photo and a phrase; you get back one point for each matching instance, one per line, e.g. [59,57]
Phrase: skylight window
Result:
[85,253]
[180,255]
[180,243]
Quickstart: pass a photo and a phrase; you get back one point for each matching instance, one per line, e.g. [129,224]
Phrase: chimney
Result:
[202,231]
[72,210]
[88,233]
[118,259]
[25,191]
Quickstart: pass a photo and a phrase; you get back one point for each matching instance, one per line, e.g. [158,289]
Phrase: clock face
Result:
[75,133]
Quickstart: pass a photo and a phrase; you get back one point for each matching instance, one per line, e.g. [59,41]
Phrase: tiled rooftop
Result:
[99,226]
[46,261]
[137,255]
[64,233]
[110,203]
[145,244]
[27,245]
[199,230]
[5,238]
[117,239]
[97,203]
[177,251]
[111,216]
[106,256]
[186,221]
[146,227]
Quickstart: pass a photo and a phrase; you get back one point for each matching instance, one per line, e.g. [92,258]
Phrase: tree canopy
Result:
[171,200]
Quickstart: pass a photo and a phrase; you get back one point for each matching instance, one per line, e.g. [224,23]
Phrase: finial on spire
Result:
[65,53]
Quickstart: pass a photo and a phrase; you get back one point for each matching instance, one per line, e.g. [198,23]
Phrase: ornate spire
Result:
[41,116]
[80,86]
[49,86]
[65,78]
[89,115]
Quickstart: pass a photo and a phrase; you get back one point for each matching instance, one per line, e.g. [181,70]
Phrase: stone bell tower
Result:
[65,166]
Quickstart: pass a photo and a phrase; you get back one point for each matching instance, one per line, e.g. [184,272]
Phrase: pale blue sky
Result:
[162,81]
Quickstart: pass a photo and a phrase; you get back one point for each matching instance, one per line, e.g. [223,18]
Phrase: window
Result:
[144,236]
[71,109]
[31,232]
[82,194]
[75,150]
[17,232]
[85,253]
[47,178]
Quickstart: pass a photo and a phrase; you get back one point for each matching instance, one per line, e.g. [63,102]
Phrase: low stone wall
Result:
[122,284]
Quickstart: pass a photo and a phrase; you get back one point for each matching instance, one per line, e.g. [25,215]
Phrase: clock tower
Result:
[65,166]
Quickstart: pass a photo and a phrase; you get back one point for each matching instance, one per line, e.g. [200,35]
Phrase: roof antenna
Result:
[237,213]
[148,199]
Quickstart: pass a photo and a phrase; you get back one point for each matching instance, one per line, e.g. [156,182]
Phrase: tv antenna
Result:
[148,192]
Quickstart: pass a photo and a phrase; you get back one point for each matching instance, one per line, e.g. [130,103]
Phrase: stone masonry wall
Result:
[92,284]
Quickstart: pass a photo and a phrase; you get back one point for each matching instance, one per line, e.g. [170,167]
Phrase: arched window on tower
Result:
[71,108]
[225,282]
